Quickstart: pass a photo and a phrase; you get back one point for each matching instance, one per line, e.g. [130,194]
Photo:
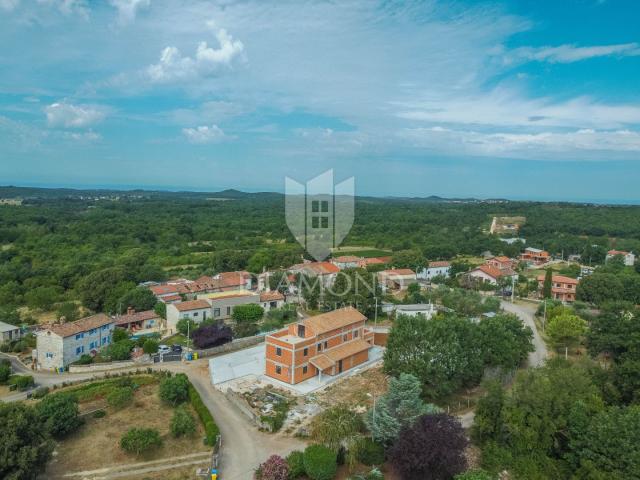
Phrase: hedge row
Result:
[211,429]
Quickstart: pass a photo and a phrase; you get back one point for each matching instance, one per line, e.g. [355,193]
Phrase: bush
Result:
[210,428]
[22,382]
[474,475]
[208,336]
[274,468]
[140,440]
[59,413]
[370,453]
[182,423]
[120,397]
[150,346]
[5,372]
[19,346]
[5,347]
[174,390]
[319,462]
[41,392]
[120,350]
[85,359]
[295,460]
[119,334]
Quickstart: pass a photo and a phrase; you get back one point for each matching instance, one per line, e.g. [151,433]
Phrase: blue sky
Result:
[517,99]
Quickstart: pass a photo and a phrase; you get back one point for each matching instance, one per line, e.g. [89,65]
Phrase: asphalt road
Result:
[526,313]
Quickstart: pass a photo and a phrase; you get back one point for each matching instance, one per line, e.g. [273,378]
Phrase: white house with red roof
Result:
[435,269]
[490,274]
[629,258]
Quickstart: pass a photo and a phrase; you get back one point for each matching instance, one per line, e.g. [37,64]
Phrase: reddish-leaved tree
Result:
[430,449]
[275,468]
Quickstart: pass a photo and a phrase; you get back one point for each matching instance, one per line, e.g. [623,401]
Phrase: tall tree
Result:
[548,282]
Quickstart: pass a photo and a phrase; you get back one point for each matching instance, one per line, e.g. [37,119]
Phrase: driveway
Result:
[526,313]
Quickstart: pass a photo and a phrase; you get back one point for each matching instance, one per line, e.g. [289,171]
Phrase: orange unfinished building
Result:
[326,344]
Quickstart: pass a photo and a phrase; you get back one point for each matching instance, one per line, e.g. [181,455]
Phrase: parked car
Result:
[175,348]
[162,349]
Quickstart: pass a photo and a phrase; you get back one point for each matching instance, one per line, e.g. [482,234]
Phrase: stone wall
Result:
[103,367]
[237,344]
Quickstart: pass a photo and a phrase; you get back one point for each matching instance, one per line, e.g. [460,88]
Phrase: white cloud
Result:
[173,66]
[9,5]
[68,115]
[540,145]
[69,7]
[83,137]
[204,134]
[127,9]
[572,53]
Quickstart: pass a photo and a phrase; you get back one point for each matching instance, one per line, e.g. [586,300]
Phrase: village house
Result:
[178,290]
[562,288]
[9,333]
[140,323]
[535,256]
[396,279]
[223,303]
[326,272]
[502,263]
[270,300]
[427,310]
[195,310]
[628,258]
[348,261]
[492,275]
[59,345]
[435,269]
[326,344]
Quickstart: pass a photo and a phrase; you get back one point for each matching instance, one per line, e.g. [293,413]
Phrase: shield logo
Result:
[319,214]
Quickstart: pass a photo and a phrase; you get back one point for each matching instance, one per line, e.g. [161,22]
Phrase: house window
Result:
[104,327]
[278,369]
[304,370]
[325,222]
[49,355]
[356,333]
[216,312]
[92,331]
[315,206]
[319,347]
[324,206]
[195,314]
[79,336]
[92,345]
[315,222]
[305,352]
[228,310]
[345,337]
[79,350]
[278,351]
[326,344]
[104,341]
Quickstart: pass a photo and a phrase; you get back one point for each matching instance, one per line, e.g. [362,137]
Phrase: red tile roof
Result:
[136,317]
[559,279]
[192,305]
[439,264]
[617,252]
[323,268]
[492,271]
[347,259]
[271,296]
[399,271]
[332,320]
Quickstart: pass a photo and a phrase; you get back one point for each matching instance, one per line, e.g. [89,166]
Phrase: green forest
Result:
[58,242]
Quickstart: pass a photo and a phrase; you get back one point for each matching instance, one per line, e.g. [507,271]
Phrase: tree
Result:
[548,283]
[161,310]
[412,259]
[186,326]
[566,330]
[150,346]
[138,298]
[69,311]
[59,414]
[96,287]
[505,341]
[274,468]
[174,390]
[119,334]
[120,350]
[246,318]
[320,462]
[24,442]
[432,448]
[397,409]
[42,298]
[208,336]
[339,427]
[120,397]
[5,370]
[599,288]
[140,440]
[182,423]
[488,422]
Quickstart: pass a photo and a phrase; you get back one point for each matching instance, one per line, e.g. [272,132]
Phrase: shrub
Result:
[85,359]
[120,397]
[5,347]
[474,475]
[295,460]
[59,413]
[208,336]
[119,334]
[370,452]
[140,440]
[22,382]
[41,392]
[150,346]
[174,390]
[210,428]
[120,350]
[99,414]
[182,423]
[5,372]
[19,346]
[320,462]
[274,468]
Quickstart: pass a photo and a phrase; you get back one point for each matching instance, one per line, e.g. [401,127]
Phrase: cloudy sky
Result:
[519,99]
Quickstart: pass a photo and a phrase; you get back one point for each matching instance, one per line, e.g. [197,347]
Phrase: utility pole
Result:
[375,321]
[513,288]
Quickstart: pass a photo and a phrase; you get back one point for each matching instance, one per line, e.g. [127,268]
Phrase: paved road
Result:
[526,313]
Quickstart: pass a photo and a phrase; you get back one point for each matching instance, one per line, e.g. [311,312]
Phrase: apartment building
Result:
[326,344]
[628,258]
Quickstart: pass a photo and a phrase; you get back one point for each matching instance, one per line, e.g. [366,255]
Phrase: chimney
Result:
[131,310]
